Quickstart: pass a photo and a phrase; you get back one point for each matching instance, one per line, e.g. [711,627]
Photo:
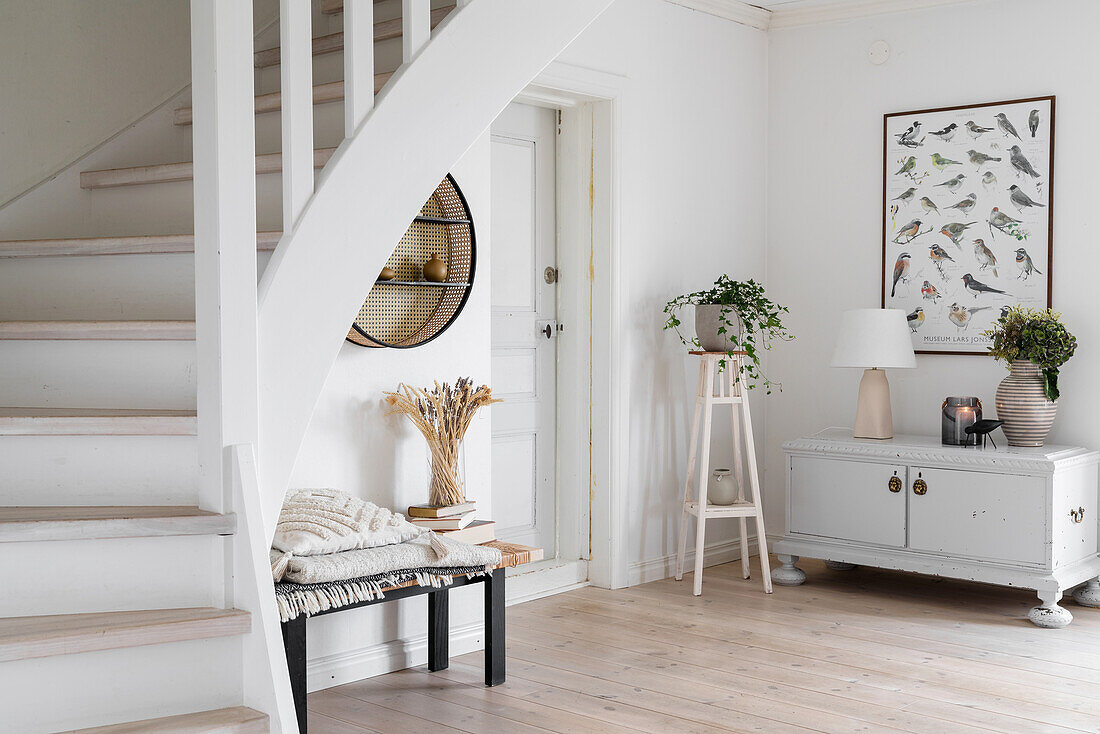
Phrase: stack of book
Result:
[455,521]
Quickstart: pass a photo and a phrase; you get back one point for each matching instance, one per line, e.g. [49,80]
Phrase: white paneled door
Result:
[525,329]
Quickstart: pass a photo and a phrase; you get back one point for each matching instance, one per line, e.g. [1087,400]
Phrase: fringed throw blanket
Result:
[318,583]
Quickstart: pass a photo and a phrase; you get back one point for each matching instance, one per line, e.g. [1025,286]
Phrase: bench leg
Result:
[439,630]
[294,643]
[494,628]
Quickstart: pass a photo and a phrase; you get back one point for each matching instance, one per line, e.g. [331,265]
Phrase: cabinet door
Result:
[849,500]
[994,517]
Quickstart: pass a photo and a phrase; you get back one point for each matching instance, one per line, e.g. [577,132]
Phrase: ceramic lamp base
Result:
[874,418]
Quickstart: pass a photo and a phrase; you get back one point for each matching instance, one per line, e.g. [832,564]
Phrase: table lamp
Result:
[874,339]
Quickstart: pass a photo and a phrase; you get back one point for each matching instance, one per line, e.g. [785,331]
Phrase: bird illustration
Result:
[955,230]
[953,184]
[938,255]
[908,231]
[893,214]
[915,319]
[905,197]
[1001,221]
[989,180]
[976,130]
[959,316]
[947,133]
[977,287]
[1005,311]
[985,257]
[1021,200]
[909,137]
[1021,163]
[929,292]
[941,163]
[907,167]
[901,271]
[980,159]
[928,205]
[1033,121]
[1026,266]
[966,204]
[1006,126]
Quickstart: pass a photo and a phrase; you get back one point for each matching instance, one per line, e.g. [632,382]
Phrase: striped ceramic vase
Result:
[1023,406]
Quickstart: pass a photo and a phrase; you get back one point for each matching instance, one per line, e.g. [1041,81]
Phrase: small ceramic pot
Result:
[707,323]
[722,489]
[435,270]
[1022,404]
[387,274]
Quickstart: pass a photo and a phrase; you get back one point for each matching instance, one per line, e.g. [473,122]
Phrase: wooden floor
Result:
[849,651]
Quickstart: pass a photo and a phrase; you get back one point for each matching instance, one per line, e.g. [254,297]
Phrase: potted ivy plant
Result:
[733,316]
[1034,344]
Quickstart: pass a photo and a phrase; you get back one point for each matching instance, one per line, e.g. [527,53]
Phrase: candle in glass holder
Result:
[958,414]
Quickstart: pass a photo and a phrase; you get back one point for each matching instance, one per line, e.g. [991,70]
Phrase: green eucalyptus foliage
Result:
[1037,335]
[760,321]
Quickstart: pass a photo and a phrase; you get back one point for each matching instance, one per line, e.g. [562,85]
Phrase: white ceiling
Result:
[770,14]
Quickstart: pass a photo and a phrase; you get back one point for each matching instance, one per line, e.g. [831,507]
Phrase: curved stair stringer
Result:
[437,106]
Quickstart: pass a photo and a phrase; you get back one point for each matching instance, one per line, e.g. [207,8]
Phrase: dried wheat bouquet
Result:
[442,414]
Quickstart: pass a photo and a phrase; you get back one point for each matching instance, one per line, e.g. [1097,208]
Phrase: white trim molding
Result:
[734,10]
[796,14]
[715,554]
[805,13]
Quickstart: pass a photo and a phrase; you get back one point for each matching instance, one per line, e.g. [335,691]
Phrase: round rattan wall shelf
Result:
[409,311]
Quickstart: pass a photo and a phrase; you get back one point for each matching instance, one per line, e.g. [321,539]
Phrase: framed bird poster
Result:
[968,197]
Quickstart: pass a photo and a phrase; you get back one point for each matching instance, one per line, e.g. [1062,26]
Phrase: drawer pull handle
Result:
[895,484]
[1078,515]
[920,487]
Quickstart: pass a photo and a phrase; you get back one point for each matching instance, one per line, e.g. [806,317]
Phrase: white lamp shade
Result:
[874,337]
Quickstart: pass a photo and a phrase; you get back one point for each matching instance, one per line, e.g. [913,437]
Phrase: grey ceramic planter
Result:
[707,323]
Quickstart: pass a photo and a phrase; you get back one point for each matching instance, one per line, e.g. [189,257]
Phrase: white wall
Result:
[825,193]
[692,208]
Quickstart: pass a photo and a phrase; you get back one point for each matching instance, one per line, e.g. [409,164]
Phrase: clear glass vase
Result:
[447,468]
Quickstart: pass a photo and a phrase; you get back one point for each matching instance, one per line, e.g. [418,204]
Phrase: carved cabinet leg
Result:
[840,565]
[1048,614]
[788,574]
[1089,594]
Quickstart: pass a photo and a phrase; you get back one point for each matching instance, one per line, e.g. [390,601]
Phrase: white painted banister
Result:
[224,146]
[296,39]
[416,27]
[358,63]
[266,679]
[435,108]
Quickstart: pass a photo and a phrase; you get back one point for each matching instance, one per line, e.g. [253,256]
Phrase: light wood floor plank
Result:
[860,651]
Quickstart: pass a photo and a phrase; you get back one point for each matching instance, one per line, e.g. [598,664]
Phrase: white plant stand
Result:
[729,392]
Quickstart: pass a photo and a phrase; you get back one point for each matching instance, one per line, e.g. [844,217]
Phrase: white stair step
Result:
[165,244]
[98,330]
[236,720]
[273,101]
[185,171]
[21,524]
[22,638]
[383,31]
[336,6]
[96,422]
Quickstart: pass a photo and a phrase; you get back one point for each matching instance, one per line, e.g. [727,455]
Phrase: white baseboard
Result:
[715,554]
[386,657]
[545,578]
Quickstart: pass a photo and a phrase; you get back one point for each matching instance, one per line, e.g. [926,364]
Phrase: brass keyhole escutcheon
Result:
[894,484]
[920,487]
[1078,515]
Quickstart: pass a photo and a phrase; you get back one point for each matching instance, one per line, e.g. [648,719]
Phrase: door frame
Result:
[591,499]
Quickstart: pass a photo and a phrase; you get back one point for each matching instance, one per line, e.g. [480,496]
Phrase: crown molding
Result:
[788,17]
[734,10]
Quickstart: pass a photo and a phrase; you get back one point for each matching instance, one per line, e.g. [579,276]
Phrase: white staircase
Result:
[136,584]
